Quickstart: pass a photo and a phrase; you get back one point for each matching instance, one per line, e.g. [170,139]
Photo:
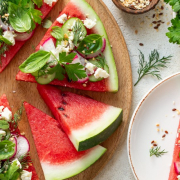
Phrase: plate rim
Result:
[139,105]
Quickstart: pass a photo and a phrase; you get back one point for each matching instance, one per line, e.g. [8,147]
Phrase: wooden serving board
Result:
[28,92]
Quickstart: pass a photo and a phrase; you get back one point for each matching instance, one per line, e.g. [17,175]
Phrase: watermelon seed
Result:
[61,108]
[65,103]
[63,94]
[65,115]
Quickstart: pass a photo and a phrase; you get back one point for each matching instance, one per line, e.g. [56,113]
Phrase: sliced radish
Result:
[14,140]
[23,146]
[4,26]
[49,45]
[177,167]
[89,56]
[23,36]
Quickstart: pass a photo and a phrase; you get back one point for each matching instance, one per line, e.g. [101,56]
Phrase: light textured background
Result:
[118,167]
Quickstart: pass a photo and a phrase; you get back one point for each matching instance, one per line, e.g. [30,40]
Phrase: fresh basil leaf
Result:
[47,24]
[63,58]
[7,149]
[59,70]
[35,62]
[12,170]
[38,3]
[57,32]
[75,71]
[5,40]
[90,44]
[4,124]
[36,14]
[19,18]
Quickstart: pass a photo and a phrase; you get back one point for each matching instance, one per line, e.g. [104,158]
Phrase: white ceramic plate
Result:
[155,107]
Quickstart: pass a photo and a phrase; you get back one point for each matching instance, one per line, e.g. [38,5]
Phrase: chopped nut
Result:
[157,124]
[84,85]
[65,36]
[157,129]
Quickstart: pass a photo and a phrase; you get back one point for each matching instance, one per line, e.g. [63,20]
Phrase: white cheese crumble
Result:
[26,175]
[90,67]
[18,163]
[9,36]
[100,73]
[89,23]
[62,19]
[6,114]
[178,177]
[3,133]
[49,2]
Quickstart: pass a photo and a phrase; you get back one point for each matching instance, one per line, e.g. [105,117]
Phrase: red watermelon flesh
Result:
[4,102]
[56,153]
[5,60]
[73,10]
[173,174]
[87,122]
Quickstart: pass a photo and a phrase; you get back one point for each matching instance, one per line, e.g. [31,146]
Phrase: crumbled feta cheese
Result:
[49,2]
[6,114]
[26,175]
[1,108]
[71,45]
[3,133]
[9,36]
[100,73]
[89,23]
[178,177]
[18,163]
[62,19]
[71,36]
[90,67]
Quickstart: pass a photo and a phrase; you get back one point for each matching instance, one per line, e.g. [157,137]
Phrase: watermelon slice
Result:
[58,157]
[79,8]
[5,60]
[173,174]
[86,122]
[4,102]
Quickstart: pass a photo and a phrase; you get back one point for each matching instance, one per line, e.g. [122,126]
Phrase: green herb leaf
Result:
[57,32]
[156,152]
[75,71]
[4,124]
[2,177]
[7,149]
[11,172]
[47,24]
[152,66]
[36,14]
[59,70]
[38,3]
[63,58]
[19,18]
[35,62]
[5,40]
[174,3]
[90,44]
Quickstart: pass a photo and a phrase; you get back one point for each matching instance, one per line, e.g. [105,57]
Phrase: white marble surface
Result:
[118,167]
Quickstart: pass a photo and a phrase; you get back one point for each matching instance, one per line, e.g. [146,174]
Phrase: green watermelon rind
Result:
[58,172]
[99,134]
[99,28]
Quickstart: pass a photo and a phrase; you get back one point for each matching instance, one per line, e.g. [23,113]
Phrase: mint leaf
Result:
[35,61]
[57,32]
[4,124]
[75,71]
[90,44]
[38,3]
[36,14]
[63,58]
[19,18]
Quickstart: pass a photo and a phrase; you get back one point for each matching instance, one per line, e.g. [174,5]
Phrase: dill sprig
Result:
[78,32]
[152,66]
[156,152]
[25,160]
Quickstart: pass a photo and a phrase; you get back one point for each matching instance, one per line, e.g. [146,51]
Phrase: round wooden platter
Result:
[28,92]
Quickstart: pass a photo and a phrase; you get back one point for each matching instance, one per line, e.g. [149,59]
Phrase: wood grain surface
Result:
[121,6]
[28,92]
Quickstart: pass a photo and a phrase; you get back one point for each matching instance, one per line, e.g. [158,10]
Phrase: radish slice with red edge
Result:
[23,146]
[48,45]
[177,167]
[5,27]
[93,55]
[23,36]
[14,140]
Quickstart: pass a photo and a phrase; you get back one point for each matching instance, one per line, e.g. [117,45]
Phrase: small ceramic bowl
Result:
[121,6]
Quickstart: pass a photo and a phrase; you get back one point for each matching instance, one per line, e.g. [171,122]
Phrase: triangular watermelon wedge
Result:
[80,8]
[4,102]
[173,174]
[87,122]
[58,157]
[11,52]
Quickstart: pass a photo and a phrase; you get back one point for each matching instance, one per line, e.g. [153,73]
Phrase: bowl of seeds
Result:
[135,6]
